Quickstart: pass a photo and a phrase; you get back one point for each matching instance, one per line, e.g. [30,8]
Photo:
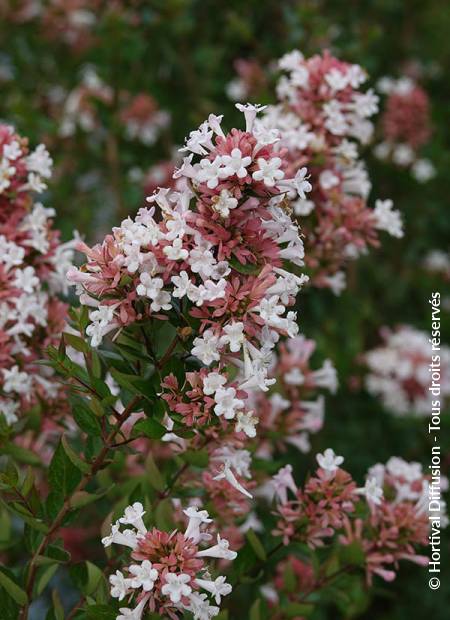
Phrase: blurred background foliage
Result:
[183,53]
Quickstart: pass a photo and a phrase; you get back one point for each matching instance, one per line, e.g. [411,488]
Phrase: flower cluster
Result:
[321,117]
[293,410]
[22,174]
[169,573]
[33,264]
[405,126]
[142,119]
[402,370]
[329,506]
[213,253]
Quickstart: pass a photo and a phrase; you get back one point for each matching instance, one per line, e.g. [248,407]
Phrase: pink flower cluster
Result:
[33,264]
[170,573]
[293,410]
[405,126]
[321,117]
[329,506]
[142,118]
[402,369]
[214,252]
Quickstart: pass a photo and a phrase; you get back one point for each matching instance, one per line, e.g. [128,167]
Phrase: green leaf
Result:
[256,545]
[14,590]
[76,342]
[20,454]
[155,478]
[45,577]
[255,610]
[63,474]
[150,428]
[100,612]
[73,456]
[86,419]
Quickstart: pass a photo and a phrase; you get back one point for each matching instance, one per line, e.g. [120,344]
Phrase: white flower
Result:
[246,422]
[218,588]
[337,80]
[226,403]
[133,614]
[176,586]
[220,550]
[224,203]
[328,179]
[199,139]
[282,482]
[212,382]
[372,491]
[200,608]
[26,279]
[235,164]
[290,60]
[8,408]
[206,348]
[196,519]
[233,335]
[423,170]
[127,538]
[250,111]
[329,461]
[40,162]
[16,381]
[299,183]
[12,151]
[387,218]
[403,155]
[176,251]
[144,575]
[119,585]
[210,172]
[337,282]
[133,516]
[268,171]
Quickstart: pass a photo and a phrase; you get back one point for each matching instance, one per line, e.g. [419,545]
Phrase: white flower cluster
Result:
[172,588]
[401,153]
[400,372]
[37,166]
[146,247]
[411,484]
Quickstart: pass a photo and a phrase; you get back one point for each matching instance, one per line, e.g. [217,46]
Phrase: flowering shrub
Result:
[400,371]
[187,407]
[33,263]
[405,126]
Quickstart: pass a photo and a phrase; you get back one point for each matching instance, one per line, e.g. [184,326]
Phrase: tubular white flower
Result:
[218,588]
[133,516]
[221,550]
[176,586]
